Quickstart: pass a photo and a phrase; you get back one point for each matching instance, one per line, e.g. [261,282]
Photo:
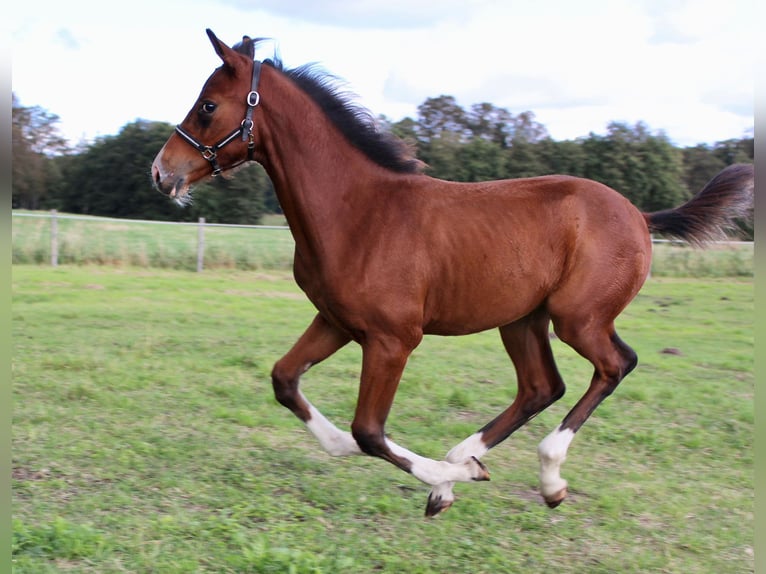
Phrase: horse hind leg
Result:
[527,342]
[613,360]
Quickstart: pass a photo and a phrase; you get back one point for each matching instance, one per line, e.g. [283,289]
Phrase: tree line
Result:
[111,175]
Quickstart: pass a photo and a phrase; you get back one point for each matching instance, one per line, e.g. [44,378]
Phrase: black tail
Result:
[706,216]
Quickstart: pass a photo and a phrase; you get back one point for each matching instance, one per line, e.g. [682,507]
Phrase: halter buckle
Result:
[209,153]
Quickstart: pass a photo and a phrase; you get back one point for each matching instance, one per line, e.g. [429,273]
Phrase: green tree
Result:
[700,165]
[735,150]
[525,128]
[480,160]
[439,115]
[662,174]
[405,129]
[644,167]
[239,199]
[490,123]
[441,155]
[563,157]
[112,178]
[440,132]
[611,159]
[524,159]
[35,141]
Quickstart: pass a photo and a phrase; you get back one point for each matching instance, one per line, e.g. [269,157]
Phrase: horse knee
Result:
[285,384]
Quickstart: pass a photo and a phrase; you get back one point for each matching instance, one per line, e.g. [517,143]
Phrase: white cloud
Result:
[376,14]
[66,39]
[577,65]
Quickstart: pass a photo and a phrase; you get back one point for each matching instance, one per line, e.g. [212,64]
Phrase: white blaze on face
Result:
[553,452]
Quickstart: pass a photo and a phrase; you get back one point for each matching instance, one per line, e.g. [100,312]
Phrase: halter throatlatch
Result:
[210,153]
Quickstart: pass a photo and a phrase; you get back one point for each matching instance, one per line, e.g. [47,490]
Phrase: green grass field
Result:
[146,438]
[99,241]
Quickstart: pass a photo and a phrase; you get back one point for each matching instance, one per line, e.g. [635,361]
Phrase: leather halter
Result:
[210,153]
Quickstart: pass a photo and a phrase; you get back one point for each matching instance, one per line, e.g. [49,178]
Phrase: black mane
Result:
[355,122]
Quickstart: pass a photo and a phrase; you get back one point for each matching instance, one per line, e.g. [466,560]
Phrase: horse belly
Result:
[492,279]
[461,311]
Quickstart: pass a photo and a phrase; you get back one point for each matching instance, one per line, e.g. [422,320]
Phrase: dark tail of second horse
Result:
[714,210]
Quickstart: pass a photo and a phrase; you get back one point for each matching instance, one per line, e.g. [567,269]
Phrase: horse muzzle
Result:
[168,183]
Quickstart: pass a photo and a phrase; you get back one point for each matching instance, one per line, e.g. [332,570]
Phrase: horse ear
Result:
[223,51]
[246,47]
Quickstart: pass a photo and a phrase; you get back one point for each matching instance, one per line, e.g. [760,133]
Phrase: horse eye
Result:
[208,107]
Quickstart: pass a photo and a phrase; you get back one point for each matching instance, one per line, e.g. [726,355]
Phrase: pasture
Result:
[126,243]
[146,438]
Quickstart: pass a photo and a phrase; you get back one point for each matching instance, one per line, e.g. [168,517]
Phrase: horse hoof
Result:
[554,500]
[482,472]
[437,505]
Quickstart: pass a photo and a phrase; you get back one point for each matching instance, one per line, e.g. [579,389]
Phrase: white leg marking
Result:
[552,452]
[341,443]
[435,472]
[473,446]
[335,441]
[443,494]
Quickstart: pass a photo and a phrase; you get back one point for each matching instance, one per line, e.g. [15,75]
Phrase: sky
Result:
[683,67]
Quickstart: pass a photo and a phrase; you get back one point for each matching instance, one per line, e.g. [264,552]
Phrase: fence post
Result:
[54,239]
[201,244]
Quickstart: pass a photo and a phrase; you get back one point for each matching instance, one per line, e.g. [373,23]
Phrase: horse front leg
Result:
[319,341]
[383,362]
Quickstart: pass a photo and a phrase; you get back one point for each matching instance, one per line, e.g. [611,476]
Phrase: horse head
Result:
[216,135]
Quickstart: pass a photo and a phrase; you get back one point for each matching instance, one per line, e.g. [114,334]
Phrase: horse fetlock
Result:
[478,469]
[553,491]
[553,500]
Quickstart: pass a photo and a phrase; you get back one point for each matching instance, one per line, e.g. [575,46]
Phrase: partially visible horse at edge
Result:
[387,255]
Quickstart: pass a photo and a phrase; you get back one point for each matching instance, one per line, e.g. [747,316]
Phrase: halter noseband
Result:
[210,153]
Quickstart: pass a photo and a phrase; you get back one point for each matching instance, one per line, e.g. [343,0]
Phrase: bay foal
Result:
[388,255]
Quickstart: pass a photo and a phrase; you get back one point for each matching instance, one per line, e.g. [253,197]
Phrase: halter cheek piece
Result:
[210,153]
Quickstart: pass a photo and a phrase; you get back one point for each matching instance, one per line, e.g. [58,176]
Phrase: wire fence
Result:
[54,238]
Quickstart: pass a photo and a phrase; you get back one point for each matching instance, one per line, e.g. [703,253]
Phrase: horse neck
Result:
[318,176]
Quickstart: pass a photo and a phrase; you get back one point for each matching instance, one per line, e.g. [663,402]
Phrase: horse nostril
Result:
[156,177]
[157,180]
